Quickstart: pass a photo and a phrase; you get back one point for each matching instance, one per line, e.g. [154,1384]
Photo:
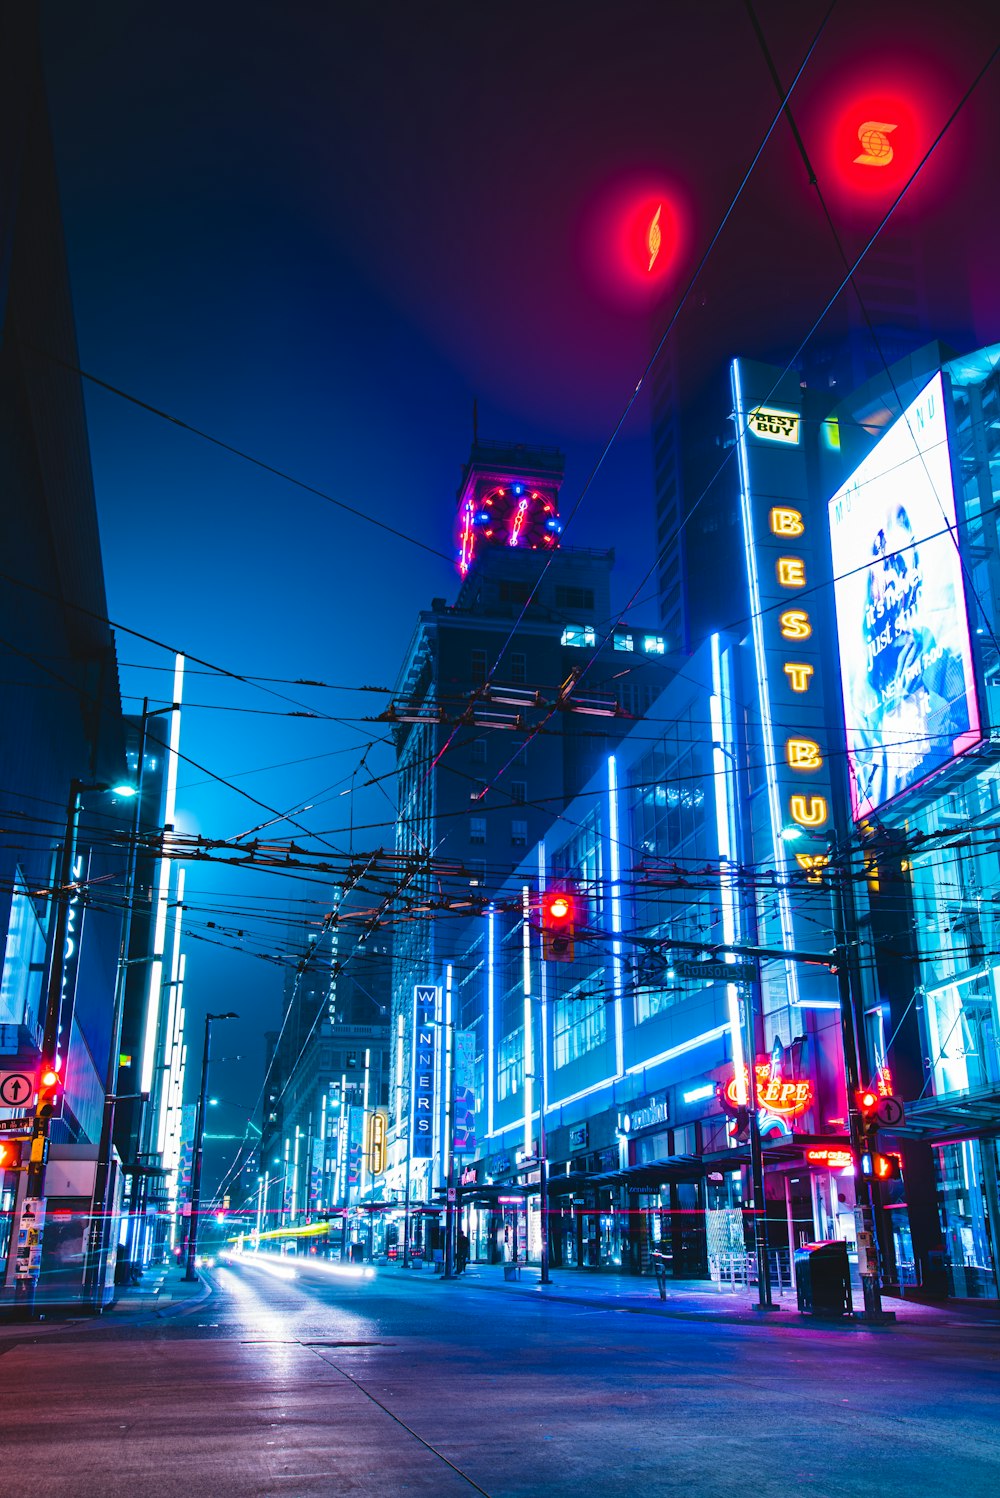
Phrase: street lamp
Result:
[191,1273]
[98,1238]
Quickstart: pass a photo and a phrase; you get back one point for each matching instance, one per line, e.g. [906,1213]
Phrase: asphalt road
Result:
[321,1385]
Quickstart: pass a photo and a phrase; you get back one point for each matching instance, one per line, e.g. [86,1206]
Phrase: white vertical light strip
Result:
[363,1173]
[322,1203]
[295,1173]
[528,1049]
[400,1048]
[543,1027]
[163,889]
[490,1060]
[614,847]
[169,1029]
[760,660]
[723,775]
[449,1073]
[438,1099]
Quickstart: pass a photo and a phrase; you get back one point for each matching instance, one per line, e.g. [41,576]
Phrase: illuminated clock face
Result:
[509,515]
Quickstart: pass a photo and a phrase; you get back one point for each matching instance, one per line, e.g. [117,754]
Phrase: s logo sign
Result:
[876,148]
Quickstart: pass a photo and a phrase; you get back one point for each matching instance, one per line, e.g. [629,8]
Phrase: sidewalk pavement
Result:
[162,1291]
[695,1299]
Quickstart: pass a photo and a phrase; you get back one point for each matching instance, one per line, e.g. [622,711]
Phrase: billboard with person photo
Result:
[906,663]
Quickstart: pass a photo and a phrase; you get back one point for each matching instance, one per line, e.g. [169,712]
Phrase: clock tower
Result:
[509,497]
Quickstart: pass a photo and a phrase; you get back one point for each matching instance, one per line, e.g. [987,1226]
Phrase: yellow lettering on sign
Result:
[798,676]
[795,624]
[808,811]
[813,865]
[791,572]
[786,522]
[803,754]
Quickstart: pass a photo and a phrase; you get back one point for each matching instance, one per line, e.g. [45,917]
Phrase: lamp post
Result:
[191,1273]
[32,1220]
[98,1244]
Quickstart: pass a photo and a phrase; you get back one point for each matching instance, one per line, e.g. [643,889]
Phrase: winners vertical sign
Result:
[425,1008]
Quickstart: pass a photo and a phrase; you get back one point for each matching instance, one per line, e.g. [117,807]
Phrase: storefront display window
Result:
[967,1184]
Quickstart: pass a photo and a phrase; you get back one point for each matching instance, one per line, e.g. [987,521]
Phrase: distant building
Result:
[506,702]
[327,1077]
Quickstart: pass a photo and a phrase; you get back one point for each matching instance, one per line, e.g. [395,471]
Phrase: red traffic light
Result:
[868,1101]
[10,1154]
[558,926]
[50,1090]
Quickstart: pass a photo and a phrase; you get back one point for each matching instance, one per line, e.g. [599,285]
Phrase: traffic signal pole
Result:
[32,1219]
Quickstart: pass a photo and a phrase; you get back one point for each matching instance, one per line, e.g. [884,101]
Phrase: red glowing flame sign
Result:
[785,1099]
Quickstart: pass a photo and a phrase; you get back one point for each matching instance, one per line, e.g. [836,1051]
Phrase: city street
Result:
[322,1384]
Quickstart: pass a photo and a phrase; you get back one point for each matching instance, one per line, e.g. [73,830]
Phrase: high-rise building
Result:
[506,702]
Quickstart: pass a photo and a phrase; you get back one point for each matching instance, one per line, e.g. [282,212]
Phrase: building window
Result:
[518,834]
[579,635]
[574,598]
[624,641]
[478,667]
[510,1059]
[479,751]
[511,592]
[579,1024]
[653,645]
[519,792]
[477,829]
[477,872]
[518,668]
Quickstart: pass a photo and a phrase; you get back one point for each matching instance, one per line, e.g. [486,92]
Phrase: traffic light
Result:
[558,926]
[886,1167]
[868,1101]
[738,1127]
[10,1154]
[50,1091]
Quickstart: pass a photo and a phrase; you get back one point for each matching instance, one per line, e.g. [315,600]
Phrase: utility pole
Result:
[851,1014]
[32,1219]
[191,1273]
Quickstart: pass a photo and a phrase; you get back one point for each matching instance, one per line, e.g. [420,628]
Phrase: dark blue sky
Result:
[318,232]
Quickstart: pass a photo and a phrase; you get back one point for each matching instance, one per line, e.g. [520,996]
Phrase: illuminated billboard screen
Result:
[905,653]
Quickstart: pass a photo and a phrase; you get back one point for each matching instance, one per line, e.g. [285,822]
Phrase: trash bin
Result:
[357,1253]
[823,1279]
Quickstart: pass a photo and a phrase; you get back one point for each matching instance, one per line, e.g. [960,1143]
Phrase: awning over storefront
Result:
[955,1116]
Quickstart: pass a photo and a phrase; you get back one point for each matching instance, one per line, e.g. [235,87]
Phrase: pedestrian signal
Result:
[10,1154]
[558,926]
[886,1167]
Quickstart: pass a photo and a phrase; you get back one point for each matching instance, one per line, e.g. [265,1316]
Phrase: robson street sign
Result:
[714,971]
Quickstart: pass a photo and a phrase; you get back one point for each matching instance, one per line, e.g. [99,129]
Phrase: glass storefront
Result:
[966,1174]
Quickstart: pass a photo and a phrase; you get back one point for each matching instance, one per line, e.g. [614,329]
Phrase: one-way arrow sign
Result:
[16,1088]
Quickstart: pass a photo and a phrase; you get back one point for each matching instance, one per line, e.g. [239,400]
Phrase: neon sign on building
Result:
[784,552]
[781,1096]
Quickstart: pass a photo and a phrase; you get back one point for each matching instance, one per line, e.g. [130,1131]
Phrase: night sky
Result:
[319,231]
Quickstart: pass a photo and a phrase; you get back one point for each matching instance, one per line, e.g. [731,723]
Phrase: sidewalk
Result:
[161,1292]
[694,1299]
